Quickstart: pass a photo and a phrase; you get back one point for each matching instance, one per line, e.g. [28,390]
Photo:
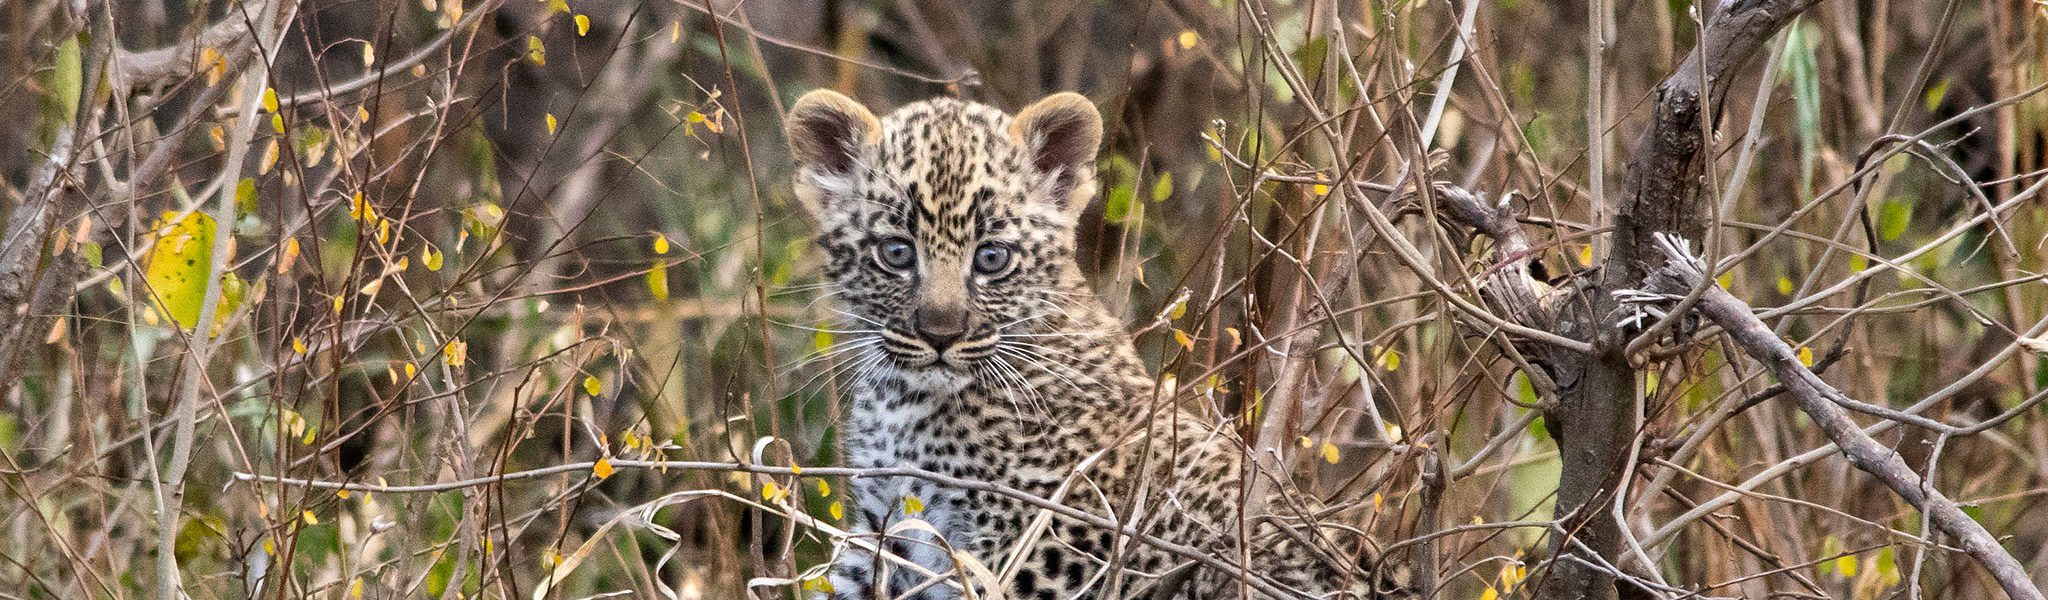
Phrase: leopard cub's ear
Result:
[1060,135]
[826,132]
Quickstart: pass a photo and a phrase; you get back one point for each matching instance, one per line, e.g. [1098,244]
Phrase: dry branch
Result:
[1683,273]
[1258,582]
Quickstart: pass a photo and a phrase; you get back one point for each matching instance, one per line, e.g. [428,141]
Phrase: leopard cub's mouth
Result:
[964,354]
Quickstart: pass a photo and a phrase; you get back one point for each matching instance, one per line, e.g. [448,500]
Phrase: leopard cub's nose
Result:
[940,326]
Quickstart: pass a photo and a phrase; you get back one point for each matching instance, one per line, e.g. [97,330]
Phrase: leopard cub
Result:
[979,352]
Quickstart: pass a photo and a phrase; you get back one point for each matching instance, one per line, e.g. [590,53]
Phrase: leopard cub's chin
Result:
[936,377]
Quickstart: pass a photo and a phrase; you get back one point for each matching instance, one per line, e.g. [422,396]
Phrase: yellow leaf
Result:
[561,6]
[411,370]
[370,54]
[277,123]
[1188,38]
[536,52]
[1305,442]
[657,280]
[660,244]
[824,488]
[179,263]
[1388,359]
[582,25]
[298,345]
[1784,285]
[1585,256]
[768,491]
[456,353]
[1511,576]
[603,468]
[1727,280]
[592,386]
[694,117]
[1322,189]
[269,547]
[1806,356]
[1329,453]
[214,64]
[1393,432]
[355,588]
[339,300]
[1846,565]
[309,517]
[362,114]
[1179,309]
[551,123]
[838,510]
[431,257]
[1181,337]
[290,255]
[675,31]
[1489,594]
[270,99]
[912,505]
[269,160]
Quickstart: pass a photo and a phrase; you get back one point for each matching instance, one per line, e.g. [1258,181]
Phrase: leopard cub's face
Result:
[947,225]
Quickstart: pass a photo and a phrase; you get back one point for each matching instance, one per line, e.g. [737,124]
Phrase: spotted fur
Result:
[1039,377]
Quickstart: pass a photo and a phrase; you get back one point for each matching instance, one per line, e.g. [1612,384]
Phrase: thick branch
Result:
[1660,189]
[144,68]
[1596,416]
[1683,273]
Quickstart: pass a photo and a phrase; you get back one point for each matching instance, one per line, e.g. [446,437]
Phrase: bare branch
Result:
[1682,273]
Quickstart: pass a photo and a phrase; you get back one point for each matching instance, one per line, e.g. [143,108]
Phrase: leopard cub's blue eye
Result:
[991,258]
[896,253]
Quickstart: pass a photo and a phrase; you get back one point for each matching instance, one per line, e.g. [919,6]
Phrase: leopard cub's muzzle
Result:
[940,335]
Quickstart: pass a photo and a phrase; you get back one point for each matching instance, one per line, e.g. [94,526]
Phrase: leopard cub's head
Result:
[948,226]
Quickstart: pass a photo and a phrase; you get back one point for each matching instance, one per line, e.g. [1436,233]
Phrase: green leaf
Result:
[1935,93]
[62,88]
[1116,207]
[1801,69]
[1162,188]
[245,196]
[179,263]
[94,255]
[232,290]
[1893,216]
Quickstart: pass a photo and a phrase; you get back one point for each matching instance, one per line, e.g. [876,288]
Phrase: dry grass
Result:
[509,254]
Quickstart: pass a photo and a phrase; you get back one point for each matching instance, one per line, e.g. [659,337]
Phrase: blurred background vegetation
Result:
[473,238]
